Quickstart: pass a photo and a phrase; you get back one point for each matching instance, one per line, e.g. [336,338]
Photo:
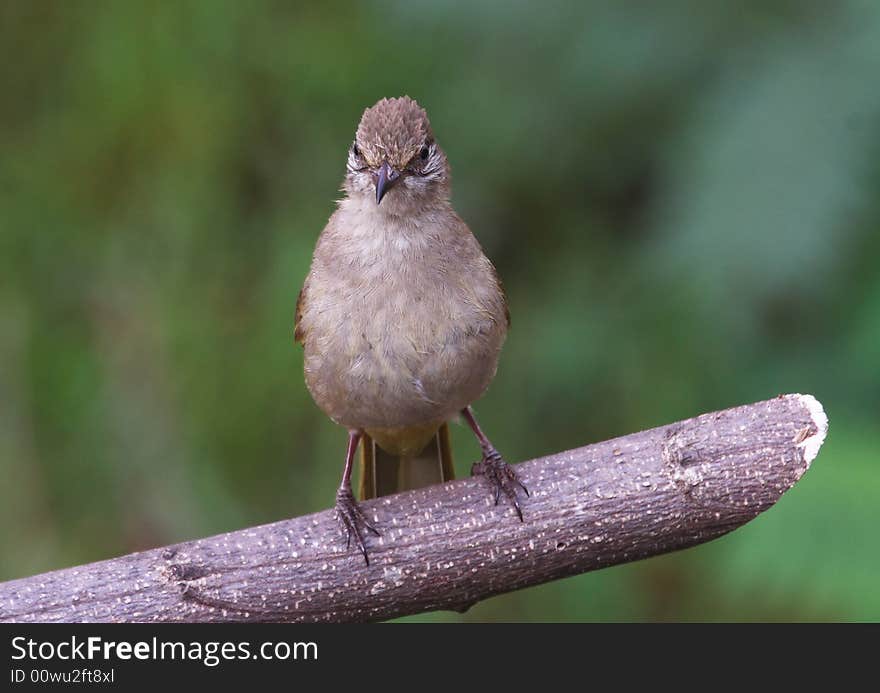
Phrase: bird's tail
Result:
[384,473]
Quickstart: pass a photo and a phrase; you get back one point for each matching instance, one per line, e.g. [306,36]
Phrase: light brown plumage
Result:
[402,317]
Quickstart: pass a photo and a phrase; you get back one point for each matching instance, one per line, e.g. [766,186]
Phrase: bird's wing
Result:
[504,300]
[298,331]
[501,291]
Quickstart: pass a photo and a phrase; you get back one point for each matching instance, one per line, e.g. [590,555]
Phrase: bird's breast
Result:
[397,333]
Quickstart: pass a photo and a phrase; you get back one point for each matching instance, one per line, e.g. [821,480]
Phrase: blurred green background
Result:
[683,202]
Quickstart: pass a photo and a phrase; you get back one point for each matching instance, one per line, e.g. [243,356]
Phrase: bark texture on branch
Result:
[448,546]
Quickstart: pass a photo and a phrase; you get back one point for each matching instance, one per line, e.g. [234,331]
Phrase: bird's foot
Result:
[353,520]
[501,476]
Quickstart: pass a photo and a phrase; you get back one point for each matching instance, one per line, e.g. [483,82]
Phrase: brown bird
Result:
[402,317]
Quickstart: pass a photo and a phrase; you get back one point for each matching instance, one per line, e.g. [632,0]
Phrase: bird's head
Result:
[394,159]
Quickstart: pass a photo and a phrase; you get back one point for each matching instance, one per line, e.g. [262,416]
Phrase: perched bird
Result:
[402,317]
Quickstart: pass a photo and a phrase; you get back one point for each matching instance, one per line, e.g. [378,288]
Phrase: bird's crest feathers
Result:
[393,130]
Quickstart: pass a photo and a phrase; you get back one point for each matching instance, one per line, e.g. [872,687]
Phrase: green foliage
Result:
[682,200]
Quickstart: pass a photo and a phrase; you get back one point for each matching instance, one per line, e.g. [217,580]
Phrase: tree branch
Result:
[448,546]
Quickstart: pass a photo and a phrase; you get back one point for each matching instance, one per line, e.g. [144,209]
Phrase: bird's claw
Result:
[501,476]
[353,520]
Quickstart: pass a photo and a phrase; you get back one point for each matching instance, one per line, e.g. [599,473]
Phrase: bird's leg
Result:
[349,514]
[500,475]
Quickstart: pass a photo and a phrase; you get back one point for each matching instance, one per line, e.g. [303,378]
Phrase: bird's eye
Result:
[355,150]
[424,154]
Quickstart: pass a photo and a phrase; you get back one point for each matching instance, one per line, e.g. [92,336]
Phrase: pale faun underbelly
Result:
[388,374]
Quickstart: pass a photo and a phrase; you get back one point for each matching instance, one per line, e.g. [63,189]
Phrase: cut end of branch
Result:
[813,442]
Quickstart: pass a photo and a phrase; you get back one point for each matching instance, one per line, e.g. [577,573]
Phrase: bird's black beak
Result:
[385,180]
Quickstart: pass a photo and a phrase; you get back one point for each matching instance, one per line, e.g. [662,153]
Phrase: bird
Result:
[401,317]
